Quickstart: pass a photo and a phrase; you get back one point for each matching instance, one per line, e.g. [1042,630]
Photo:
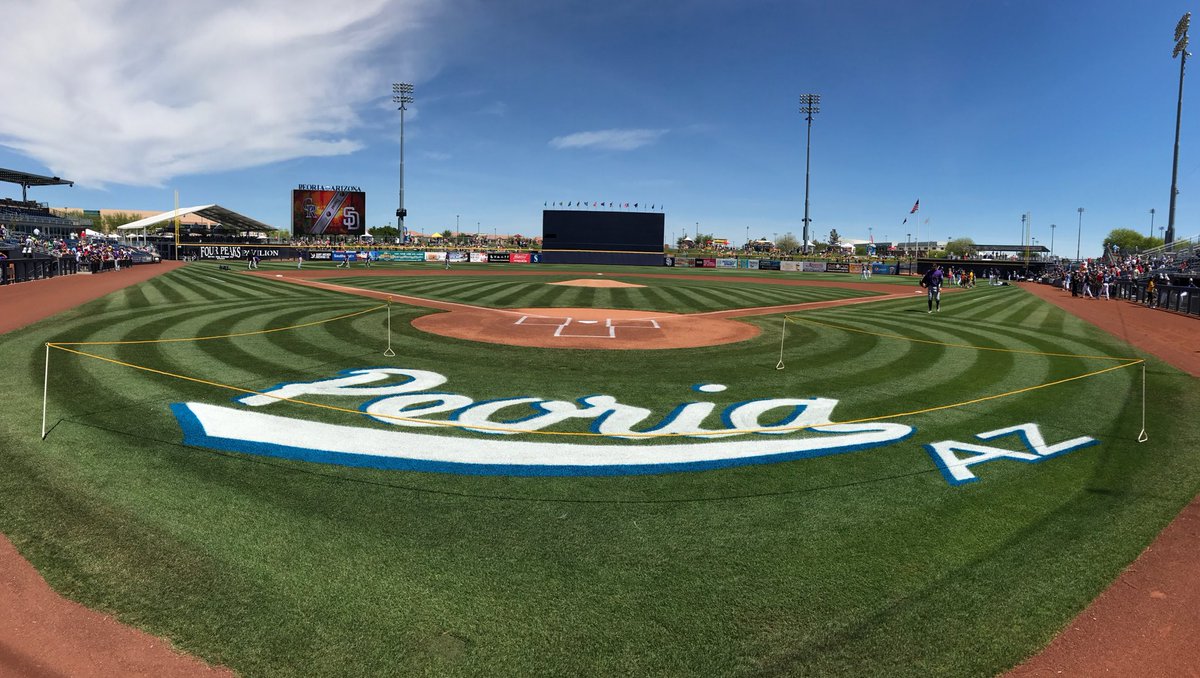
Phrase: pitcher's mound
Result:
[585,328]
[591,282]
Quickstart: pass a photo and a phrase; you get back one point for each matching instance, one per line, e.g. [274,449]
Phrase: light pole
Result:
[1078,234]
[402,94]
[1052,227]
[1151,222]
[1024,237]
[809,105]
[907,250]
[1181,44]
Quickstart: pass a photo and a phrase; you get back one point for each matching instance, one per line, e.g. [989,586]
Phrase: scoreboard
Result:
[328,210]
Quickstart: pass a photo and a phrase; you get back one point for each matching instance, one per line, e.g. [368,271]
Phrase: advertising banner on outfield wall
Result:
[813,266]
[883,269]
[668,261]
[233,252]
[479,257]
[726,263]
[752,264]
[831,267]
[792,266]
[404,255]
[768,264]
[319,255]
[709,263]
[435,256]
[497,257]
[520,258]
[457,256]
[344,255]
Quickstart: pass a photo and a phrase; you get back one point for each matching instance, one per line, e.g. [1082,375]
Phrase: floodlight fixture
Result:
[809,105]
[402,94]
[1181,43]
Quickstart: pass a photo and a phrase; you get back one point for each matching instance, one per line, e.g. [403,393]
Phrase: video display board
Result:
[606,231]
[328,210]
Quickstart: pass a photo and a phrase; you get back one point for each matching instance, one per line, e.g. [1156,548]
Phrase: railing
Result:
[24,270]
[1175,298]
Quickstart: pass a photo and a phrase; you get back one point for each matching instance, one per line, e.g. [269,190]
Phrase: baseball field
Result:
[286,475]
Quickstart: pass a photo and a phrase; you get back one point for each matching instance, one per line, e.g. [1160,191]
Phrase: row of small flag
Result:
[585,203]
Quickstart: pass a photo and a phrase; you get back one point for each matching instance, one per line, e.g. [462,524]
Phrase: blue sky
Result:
[982,110]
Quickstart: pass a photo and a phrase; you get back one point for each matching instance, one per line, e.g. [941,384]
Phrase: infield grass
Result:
[856,564]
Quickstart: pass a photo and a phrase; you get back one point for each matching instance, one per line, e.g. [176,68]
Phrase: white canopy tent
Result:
[227,218]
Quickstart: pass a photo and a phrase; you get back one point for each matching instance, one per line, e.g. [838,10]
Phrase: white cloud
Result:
[609,139]
[139,91]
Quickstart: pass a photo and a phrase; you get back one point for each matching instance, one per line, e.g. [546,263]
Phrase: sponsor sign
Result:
[435,256]
[225,252]
[668,261]
[319,255]
[345,255]
[752,264]
[885,269]
[768,264]
[813,266]
[831,267]
[709,263]
[479,257]
[520,258]
[456,256]
[697,263]
[789,266]
[411,405]
[726,263]
[402,255]
[497,257]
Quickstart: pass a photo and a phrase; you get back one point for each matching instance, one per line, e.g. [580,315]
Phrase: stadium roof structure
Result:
[225,217]
[1009,248]
[25,179]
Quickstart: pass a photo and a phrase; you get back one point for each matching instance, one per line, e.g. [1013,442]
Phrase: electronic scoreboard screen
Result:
[607,231]
[328,210]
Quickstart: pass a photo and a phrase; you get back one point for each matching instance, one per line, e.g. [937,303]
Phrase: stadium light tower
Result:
[402,94]
[1052,227]
[1181,45]
[1078,234]
[809,105]
[1151,222]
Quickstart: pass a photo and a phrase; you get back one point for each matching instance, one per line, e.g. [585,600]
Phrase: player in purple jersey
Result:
[933,283]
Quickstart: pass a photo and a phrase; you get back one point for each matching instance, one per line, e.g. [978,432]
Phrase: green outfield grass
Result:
[675,295]
[868,563]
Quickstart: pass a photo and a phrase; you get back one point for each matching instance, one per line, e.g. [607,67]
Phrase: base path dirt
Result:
[42,633]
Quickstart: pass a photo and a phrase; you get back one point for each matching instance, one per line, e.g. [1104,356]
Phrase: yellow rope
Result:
[62,346]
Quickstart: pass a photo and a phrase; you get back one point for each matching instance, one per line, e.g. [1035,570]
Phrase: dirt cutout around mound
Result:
[594,282]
